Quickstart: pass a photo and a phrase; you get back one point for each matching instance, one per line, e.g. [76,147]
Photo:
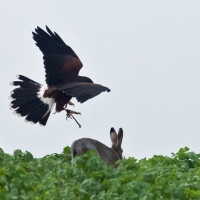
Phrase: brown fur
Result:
[109,155]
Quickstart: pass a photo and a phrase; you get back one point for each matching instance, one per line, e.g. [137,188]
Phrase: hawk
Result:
[62,66]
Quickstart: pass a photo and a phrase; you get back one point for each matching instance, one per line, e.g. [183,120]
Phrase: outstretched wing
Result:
[62,65]
[83,91]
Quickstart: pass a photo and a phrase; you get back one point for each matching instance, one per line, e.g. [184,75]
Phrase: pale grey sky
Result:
[146,52]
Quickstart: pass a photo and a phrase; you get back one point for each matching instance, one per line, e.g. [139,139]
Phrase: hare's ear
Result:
[113,136]
[120,136]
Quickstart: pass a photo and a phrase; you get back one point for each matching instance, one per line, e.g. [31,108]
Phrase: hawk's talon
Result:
[69,115]
[70,112]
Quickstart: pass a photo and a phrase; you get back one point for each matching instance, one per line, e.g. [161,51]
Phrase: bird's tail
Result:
[28,100]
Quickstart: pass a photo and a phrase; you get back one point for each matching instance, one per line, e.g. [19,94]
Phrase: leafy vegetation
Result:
[55,177]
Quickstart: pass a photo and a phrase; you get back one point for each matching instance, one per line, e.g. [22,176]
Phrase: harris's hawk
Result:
[62,66]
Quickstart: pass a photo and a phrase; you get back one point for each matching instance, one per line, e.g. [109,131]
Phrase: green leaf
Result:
[87,177]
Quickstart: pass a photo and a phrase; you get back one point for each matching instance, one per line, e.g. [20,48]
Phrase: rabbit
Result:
[109,155]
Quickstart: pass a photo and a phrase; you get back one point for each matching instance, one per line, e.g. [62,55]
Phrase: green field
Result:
[55,177]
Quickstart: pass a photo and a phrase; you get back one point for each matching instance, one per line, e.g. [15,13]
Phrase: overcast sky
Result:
[146,52]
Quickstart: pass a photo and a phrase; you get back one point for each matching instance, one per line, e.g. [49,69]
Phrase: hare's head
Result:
[116,140]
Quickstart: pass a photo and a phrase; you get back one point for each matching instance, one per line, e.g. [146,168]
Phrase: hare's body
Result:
[109,155]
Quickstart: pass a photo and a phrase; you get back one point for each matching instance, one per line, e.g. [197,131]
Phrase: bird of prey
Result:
[62,66]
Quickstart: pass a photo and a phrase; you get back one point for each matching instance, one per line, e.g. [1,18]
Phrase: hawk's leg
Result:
[69,103]
[69,114]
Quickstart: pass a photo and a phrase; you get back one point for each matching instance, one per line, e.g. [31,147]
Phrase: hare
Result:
[109,155]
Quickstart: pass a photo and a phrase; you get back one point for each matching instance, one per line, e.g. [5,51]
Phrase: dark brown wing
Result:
[62,65]
[83,91]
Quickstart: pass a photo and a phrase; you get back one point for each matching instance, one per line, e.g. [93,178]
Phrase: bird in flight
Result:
[62,66]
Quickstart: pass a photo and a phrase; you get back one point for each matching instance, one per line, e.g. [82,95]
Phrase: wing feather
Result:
[83,91]
[61,63]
